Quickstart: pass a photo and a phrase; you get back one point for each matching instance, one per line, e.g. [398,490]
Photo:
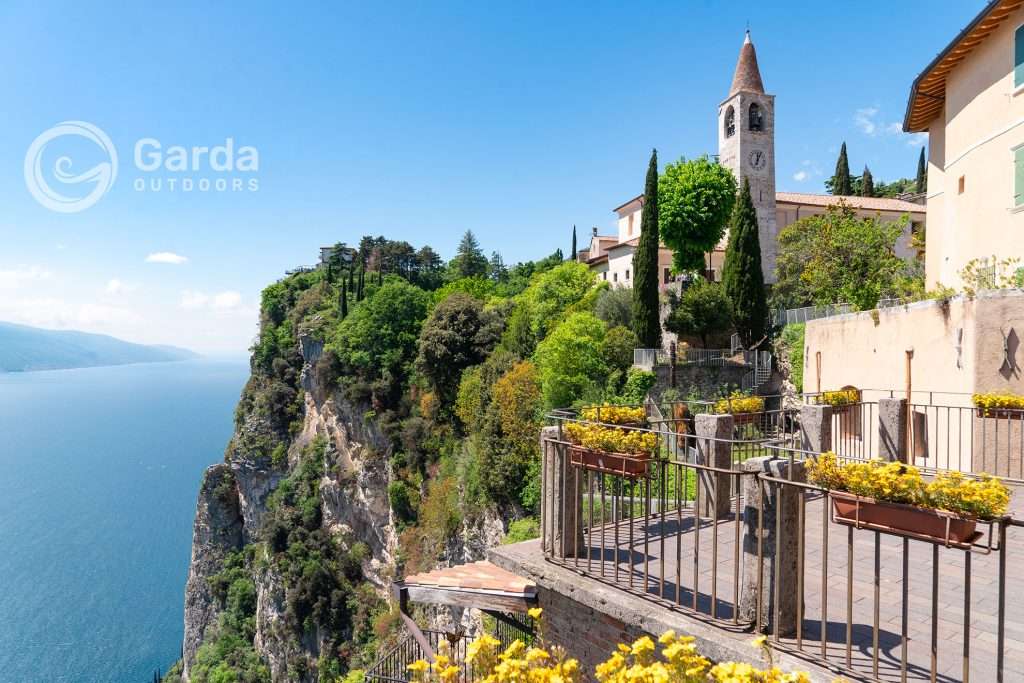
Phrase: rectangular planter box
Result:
[1001,413]
[867,512]
[744,418]
[622,464]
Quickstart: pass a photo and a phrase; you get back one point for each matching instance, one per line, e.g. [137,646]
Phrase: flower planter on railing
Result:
[997,405]
[868,513]
[622,464]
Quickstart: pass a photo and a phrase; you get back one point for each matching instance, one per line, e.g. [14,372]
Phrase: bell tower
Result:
[746,145]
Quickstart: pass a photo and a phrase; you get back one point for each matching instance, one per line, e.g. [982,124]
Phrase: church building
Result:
[746,145]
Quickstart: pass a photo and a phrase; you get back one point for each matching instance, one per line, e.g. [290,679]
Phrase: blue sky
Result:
[413,120]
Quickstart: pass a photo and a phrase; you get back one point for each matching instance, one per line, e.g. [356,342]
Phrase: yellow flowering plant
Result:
[738,402]
[677,661]
[843,397]
[985,497]
[618,415]
[988,404]
[612,439]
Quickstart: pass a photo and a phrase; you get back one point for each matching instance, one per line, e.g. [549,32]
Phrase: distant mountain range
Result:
[24,348]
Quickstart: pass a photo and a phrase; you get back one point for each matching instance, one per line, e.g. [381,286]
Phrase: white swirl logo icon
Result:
[101,176]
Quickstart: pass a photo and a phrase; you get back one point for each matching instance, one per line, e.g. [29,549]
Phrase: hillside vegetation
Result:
[454,366]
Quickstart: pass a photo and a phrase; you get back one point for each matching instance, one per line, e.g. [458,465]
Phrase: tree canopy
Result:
[469,260]
[841,179]
[570,361]
[837,257]
[695,199]
[703,309]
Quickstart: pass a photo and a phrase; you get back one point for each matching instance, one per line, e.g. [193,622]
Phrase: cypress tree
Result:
[344,299]
[841,184]
[922,173]
[572,254]
[362,278]
[867,184]
[741,274]
[646,313]
[351,277]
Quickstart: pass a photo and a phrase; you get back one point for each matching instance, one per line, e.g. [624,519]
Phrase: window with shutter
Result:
[1018,57]
[1018,176]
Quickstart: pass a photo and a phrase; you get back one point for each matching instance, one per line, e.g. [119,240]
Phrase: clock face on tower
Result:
[757,160]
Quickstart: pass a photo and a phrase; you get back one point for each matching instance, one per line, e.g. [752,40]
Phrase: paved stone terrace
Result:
[669,538]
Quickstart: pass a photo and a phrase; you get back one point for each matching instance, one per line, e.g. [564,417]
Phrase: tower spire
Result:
[747,76]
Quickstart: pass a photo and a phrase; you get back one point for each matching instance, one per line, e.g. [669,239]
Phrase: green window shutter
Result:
[1018,177]
[1018,57]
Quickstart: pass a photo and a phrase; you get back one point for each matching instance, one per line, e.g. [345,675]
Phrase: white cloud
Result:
[115,286]
[800,176]
[16,277]
[192,300]
[917,139]
[229,299]
[222,301]
[166,257]
[864,119]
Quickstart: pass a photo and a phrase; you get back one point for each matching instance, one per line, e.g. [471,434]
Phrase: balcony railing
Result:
[873,603]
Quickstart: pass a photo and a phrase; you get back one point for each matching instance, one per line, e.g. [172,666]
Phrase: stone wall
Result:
[703,380]
[588,635]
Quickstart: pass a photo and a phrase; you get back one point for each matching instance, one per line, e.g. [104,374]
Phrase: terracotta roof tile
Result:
[747,77]
[866,203]
[474,576]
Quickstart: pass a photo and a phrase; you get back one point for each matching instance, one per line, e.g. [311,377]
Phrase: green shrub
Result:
[521,530]
[570,361]
[793,341]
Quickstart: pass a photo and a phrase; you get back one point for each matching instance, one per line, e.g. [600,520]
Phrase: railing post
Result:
[816,428]
[892,429]
[561,513]
[714,449]
[777,536]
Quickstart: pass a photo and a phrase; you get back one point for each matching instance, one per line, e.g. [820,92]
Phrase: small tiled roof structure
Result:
[477,584]
[747,77]
[865,203]
[928,92]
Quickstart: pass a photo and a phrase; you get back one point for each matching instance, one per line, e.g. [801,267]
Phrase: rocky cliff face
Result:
[233,503]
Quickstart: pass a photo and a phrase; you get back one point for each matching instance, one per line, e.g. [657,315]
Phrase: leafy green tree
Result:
[568,286]
[379,339]
[867,184]
[841,180]
[646,314]
[469,259]
[837,257]
[570,362]
[496,268]
[457,334]
[339,259]
[695,199]
[428,269]
[702,310]
[619,343]
[615,307]
[921,184]
[742,278]
[344,299]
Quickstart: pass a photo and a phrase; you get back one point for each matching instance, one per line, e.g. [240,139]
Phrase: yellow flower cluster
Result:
[738,402]
[989,403]
[487,663]
[843,397]
[985,497]
[616,415]
[677,662]
[612,439]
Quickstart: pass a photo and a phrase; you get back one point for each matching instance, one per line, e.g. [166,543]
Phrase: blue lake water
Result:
[99,471]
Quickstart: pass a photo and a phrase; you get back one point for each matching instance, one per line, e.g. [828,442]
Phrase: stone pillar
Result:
[816,428]
[779,553]
[561,513]
[714,453]
[892,429]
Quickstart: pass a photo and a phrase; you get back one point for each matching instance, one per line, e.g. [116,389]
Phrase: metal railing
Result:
[807,313]
[871,602]
[392,667]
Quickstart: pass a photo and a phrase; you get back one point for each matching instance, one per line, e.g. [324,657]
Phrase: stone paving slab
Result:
[661,562]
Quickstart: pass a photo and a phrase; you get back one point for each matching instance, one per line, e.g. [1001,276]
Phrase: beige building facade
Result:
[970,101]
